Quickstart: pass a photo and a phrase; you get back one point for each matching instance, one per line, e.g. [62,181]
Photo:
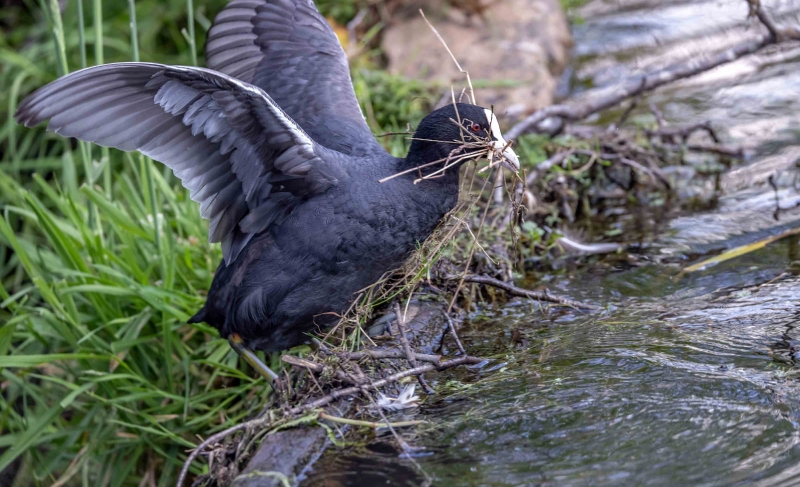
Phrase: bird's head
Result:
[460,132]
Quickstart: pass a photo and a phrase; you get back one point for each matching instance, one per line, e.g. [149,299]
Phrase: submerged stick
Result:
[370,424]
[389,354]
[401,326]
[453,332]
[525,293]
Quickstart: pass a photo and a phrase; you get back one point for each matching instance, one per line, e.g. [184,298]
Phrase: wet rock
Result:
[521,44]
[284,452]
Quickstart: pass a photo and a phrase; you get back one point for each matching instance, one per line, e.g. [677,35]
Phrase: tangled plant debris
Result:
[588,171]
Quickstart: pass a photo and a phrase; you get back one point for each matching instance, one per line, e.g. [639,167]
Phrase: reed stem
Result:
[192,40]
[105,158]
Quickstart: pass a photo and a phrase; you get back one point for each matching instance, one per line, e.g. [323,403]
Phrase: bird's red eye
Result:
[475,127]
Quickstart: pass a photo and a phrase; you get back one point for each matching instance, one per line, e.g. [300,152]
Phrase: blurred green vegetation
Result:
[103,257]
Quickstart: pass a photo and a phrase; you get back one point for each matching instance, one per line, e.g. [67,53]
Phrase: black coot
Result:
[271,142]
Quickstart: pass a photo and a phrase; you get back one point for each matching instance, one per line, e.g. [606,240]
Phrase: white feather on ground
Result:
[406,399]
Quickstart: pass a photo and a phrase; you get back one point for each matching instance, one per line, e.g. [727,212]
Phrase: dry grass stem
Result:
[441,39]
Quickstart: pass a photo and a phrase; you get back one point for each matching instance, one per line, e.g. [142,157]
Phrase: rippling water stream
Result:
[683,381]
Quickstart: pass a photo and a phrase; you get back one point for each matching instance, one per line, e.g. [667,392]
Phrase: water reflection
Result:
[378,463]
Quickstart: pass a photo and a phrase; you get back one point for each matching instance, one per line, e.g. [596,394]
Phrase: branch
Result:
[325,400]
[455,334]
[684,132]
[215,439]
[723,150]
[384,354]
[401,325]
[525,293]
[598,100]
[757,11]
[544,166]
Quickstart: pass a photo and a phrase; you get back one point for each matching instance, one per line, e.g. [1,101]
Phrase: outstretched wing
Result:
[243,159]
[286,48]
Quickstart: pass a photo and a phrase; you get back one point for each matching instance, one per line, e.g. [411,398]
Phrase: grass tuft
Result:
[103,257]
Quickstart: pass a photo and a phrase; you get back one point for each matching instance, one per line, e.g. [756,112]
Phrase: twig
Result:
[303,363]
[455,335]
[406,448]
[599,99]
[516,204]
[401,326]
[448,161]
[683,132]
[757,11]
[469,230]
[403,444]
[441,39]
[318,368]
[653,171]
[215,438]
[723,150]
[544,166]
[369,424]
[517,291]
[627,113]
[659,116]
[388,354]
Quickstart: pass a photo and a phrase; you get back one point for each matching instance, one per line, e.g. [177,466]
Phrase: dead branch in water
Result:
[412,361]
[599,99]
[525,293]
[384,354]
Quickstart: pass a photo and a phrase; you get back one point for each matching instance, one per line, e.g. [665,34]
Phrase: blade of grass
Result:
[29,437]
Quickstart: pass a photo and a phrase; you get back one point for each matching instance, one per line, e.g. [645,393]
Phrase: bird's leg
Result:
[250,357]
[317,345]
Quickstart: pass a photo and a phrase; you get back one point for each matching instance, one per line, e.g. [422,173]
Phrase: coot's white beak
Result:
[502,150]
[508,158]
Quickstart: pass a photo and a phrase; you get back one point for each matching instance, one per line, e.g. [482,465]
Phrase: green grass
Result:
[103,257]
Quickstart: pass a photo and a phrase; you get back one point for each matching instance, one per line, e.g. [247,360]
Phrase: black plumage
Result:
[272,144]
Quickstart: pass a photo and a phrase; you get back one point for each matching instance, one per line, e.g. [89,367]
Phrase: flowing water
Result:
[684,379]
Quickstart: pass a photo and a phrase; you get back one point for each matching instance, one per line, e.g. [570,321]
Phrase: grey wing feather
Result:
[241,157]
[286,48]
